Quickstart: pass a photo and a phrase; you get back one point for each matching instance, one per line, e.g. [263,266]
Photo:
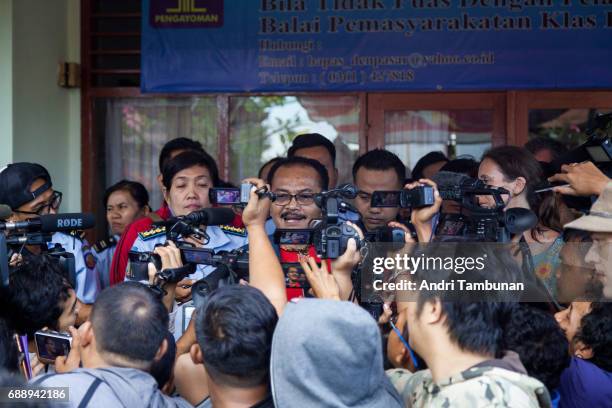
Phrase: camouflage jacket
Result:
[475,387]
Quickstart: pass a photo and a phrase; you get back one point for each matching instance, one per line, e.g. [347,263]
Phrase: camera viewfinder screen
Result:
[50,347]
[385,199]
[197,256]
[227,196]
[294,237]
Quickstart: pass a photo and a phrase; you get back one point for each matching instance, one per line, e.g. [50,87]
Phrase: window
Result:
[136,129]
[262,128]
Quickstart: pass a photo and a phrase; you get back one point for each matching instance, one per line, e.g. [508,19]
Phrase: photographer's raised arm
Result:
[421,217]
[584,179]
[265,270]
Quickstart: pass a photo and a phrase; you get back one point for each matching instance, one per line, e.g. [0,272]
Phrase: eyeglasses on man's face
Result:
[301,198]
[45,207]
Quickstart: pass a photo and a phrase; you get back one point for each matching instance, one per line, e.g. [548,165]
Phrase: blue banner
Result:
[374,45]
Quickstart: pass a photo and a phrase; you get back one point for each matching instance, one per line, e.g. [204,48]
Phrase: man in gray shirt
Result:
[117,346]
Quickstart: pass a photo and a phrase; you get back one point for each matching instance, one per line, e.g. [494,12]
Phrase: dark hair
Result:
[8,348]
[515,162]
[297,161]
[466,166]
[473,319]
[137,191]
[571,234]
[129,321]
[539,342]
[269,162]
[162,369]
[380,159]
[312,140]
[186,160]
[37,291]
[427,160]
[596,332]
[539,143]
[180,143]
[234,331]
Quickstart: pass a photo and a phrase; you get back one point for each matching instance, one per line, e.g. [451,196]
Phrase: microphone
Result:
[52,223]
[5,211]
[67,222]
[210,216]
[347,190]
[519,220]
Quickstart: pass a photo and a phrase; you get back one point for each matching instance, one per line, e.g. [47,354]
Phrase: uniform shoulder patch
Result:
[230,229]
[152,233]
[77,234]
[104,244]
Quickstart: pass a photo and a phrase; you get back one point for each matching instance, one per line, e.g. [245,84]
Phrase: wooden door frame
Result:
[378,103]
[521,102]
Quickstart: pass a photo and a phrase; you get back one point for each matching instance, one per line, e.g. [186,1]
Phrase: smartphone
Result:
[295,277]
[293,236]
[385,199]
[51,344]
[199,256]
[24,356]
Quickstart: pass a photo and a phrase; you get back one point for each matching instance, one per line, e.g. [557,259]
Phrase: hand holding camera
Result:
[170,272]
[258,208]
[64,362]
[424,214]
[421,217]
[344,265]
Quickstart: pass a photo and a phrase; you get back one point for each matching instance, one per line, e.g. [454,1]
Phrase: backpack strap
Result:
[90,392]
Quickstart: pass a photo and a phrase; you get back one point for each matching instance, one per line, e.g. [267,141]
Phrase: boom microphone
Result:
[210,216]
[52,223]
[67,222]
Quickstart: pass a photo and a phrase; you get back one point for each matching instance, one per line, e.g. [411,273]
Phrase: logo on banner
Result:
[186,13]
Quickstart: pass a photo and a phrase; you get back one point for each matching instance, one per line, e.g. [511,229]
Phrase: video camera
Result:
[422,196]
[329,235]
[475,223]
[597,148]
[236,196]
[39,231]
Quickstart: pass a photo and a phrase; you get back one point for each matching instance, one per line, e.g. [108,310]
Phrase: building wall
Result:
[46,117]
[6,81]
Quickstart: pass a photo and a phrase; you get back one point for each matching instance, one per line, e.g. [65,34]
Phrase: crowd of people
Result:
[296,330]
